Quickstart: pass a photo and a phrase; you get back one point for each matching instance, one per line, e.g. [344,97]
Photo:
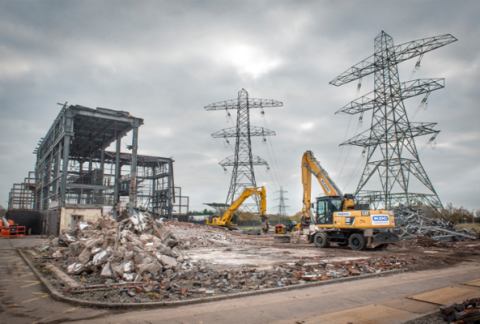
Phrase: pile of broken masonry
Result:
[467,312]
[135,248]
[139,259]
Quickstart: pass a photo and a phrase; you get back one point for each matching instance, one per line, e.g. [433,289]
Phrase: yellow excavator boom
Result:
[226,219]
[310,166]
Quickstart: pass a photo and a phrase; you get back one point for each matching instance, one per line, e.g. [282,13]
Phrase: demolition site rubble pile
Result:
[197,280]
[140,259]
[137,247]
[412,224]
[467,312]
[198,236]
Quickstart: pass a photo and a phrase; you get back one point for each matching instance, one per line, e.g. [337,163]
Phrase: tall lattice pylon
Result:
[282,208]
[391,135]
[243,175]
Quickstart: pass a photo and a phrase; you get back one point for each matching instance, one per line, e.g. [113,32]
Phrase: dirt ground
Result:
[261,251]
[222,262]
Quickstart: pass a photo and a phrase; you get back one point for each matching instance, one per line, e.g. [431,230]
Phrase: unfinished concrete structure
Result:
[78,179]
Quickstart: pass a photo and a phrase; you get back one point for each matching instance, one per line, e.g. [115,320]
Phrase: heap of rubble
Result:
[198,236]
[139,259]
[196,279]
[463,313]
[411,222]
[136,248]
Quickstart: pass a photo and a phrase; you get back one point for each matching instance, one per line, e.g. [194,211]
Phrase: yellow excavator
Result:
[226,219]
[337,218]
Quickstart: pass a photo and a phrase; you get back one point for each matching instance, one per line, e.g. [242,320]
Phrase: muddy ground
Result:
[261,251]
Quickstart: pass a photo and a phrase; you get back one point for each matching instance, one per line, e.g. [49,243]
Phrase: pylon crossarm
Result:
[230,161]
[357,71]
[420,86]
[397,134]
[408,89]
[358,105]
[227,104]
[403,52]
[417,47]
[252,103]
[263,103]
[233,132]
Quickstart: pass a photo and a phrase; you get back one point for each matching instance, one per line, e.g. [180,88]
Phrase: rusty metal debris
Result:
[412,221]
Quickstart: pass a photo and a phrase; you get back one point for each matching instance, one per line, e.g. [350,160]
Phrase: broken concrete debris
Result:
[136,248]
[196,278]
[140,259]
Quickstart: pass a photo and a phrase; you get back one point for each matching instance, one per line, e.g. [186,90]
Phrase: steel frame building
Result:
[73,170]
[22,195]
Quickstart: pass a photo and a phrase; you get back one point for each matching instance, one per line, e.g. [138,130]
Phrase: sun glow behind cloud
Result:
[250,60]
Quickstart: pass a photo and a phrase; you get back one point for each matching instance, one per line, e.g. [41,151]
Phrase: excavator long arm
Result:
[226,219]
[310,166]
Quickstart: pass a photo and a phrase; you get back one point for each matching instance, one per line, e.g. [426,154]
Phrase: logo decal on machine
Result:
[349,220]
[343,214]
[380,220]
[325,185]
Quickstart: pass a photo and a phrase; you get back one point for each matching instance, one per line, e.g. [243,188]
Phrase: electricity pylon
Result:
[282,211]
[391,133]
[243,175]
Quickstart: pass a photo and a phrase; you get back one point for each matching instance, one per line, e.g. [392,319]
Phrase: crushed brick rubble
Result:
[466,312]
[140,259]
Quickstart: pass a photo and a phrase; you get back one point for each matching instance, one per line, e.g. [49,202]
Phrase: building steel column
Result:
[66,153]
[117,176]
[56,172]
[48,178]
[102,163]
[171,190]
[133,172]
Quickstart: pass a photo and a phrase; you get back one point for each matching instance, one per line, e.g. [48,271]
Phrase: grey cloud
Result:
[164,61]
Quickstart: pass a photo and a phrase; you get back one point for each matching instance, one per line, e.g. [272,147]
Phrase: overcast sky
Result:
[164,61]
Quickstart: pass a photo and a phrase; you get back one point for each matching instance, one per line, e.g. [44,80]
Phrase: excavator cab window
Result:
[326,206]
[321,212]
[336,204]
